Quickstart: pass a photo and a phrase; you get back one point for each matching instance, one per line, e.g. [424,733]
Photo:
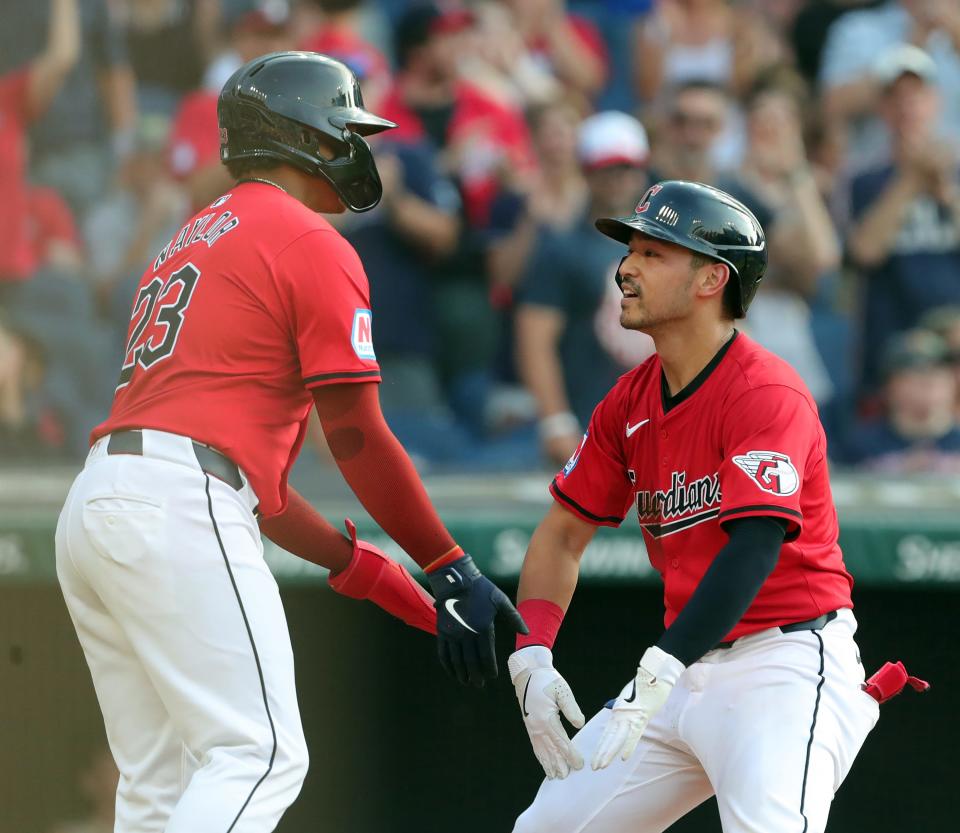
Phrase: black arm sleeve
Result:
[727,588]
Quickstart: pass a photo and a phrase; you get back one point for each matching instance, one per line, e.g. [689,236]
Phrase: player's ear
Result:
[712,279]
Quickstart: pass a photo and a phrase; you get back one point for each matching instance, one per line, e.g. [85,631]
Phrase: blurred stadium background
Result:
[837,121]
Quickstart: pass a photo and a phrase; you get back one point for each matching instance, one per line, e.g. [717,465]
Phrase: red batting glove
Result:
[890,680]
[372,574]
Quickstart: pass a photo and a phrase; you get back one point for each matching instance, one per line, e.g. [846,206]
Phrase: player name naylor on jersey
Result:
[681,506]
[201,230]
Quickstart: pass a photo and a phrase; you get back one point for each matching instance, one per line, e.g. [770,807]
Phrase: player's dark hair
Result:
[730,298]
[242,168]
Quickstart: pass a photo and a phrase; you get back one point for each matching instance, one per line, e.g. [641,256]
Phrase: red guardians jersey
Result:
[742,439]
[256,300]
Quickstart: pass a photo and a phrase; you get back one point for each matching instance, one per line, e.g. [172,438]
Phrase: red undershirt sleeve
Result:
[378,470]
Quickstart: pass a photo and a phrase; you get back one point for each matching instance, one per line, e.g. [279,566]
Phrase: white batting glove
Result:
[543,694]
[640,700]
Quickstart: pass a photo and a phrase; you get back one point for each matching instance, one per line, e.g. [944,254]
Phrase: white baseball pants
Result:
[770,726]
[162,570]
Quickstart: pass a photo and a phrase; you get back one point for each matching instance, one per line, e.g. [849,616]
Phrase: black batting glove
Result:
[467,604]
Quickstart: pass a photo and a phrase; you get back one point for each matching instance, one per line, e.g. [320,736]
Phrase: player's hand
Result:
[543,694]
[467,603]
[640,700]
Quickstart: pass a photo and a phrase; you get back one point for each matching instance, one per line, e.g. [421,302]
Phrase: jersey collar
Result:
[669,402]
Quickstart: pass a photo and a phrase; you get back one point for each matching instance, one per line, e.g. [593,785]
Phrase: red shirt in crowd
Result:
[585,32]
[254,302]
[497,130]
[17,258]
[743,439]
[195,135]
[50,220]
[344,44]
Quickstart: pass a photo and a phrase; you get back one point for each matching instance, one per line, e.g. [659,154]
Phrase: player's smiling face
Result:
[657,283]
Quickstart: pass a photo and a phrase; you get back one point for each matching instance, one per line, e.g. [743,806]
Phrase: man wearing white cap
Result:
[849,79]
[906,213]
[570,347]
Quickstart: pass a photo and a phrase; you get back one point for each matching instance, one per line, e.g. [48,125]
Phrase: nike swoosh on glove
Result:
[543,695]
[372,574]
[640,700]
[467,603]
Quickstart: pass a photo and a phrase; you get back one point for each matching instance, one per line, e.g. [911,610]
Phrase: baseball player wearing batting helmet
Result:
[256,311]
[753,692]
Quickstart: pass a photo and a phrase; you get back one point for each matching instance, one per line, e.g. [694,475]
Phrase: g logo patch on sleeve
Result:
[361,335]
[770,470]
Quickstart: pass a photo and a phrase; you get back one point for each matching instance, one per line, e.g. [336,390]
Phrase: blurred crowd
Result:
[520,121]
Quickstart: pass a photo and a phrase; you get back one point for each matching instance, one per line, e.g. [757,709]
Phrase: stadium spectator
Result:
[918,431]
[52,232]
[480,137]
[693,142]
[570,347]
[804,248]
[569,45]
[945,322]
[194,149]
[700,40]
[808,32]
[22,371]
[338,34]
[133,221]
[554,198]
[88,124]
[400,242]
[480,142]
[905,235]
[853,90]
[24,94]
[499,61]
[170,43]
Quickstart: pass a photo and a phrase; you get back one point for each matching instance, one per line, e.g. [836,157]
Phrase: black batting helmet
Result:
[275,106]
[705,220]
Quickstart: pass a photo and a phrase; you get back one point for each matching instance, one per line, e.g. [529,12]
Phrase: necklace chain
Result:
[265,182]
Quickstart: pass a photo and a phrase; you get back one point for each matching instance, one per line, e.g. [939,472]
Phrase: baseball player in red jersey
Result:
[254,312]
[754,691]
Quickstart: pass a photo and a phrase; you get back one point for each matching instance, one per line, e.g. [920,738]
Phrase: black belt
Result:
[212,462]
[809,625]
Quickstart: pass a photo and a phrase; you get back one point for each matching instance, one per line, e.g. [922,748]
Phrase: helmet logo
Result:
[644,203]
[667,215]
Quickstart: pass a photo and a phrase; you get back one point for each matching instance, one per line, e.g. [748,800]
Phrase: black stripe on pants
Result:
[813,725]
[256,655]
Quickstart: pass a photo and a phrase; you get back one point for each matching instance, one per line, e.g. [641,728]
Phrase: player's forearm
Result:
[304,532]
[727,589]
[552,563]
[358,569]
[379,472]
[549,575]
